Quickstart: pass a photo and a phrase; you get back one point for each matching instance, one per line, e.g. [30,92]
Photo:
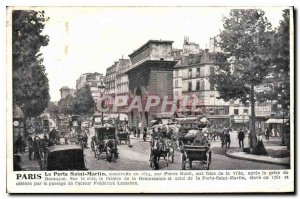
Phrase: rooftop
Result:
[147,44]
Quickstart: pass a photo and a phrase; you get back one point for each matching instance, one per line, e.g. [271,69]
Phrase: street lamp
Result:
[101,89]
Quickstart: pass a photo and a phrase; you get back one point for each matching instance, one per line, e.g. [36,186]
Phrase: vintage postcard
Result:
[150,99]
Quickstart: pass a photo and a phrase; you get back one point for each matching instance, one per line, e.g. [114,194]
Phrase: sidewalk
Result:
[276,154]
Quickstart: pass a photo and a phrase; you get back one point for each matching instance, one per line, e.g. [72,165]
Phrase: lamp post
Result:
[101,89]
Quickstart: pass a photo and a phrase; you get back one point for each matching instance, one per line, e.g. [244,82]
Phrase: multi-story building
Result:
[195,72]
[122,81]
[93,80]
[110,86]
[65,91]
[177,77]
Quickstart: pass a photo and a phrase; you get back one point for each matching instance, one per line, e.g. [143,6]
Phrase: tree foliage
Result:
[65,105]
[52,109]
[245,58]
[30,82]
[83,101]
[280,62]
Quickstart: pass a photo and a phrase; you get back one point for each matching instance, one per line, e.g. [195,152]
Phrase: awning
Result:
[204,120]
[276,121]
[241,120]
[120,116]
[164,115]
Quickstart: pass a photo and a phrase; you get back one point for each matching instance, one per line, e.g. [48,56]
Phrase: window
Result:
[202,71]
[198,72]
[202,85]
[176,73]
[246,111]
[236,111]
[198,86]
[221,111]
[176,83]
[190,73]
[190,86]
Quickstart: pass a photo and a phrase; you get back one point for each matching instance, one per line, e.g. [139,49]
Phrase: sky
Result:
[90,39]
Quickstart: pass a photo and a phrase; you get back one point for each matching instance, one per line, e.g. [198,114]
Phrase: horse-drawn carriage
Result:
[76,133]
[197,150]
[54,155]
[63,157]
[123,136]
[105,141]
[161,146]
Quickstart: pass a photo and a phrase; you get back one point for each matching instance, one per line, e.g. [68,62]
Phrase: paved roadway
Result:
[137,158]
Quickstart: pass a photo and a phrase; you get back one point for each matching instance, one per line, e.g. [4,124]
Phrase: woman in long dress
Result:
[260,149]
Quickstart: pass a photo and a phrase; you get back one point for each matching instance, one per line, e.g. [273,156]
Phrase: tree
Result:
[245,59]
[65,105]
[30,82]
[83,101]
[52,109]
[280,65]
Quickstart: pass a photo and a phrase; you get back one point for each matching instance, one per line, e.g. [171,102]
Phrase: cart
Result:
[157,151]
[192,153]
[105,141]
[63,157]
[75,125]
[123,136]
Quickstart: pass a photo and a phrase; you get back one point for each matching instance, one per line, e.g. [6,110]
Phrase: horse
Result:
[111,149]
[171,145]
[158,149]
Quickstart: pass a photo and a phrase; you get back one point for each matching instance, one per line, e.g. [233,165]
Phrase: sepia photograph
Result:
[164,89]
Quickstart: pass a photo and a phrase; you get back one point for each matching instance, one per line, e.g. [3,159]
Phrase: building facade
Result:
[122,82]
[151,73]
[192,77]
[65,91]
[110,86]
[93,80]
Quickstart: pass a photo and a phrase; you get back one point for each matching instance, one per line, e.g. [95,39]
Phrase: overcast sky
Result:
[90,39]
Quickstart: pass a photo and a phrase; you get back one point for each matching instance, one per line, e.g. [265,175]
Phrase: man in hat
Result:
[241,137]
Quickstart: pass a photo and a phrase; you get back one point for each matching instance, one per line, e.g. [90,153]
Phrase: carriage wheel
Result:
[155,162]
[208,160]
[95,153]
[92,146]
[98,156]
[173,154]
[98,153]
[183,162]
[167,160]
[108,155]
[190,163]
[151,160]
